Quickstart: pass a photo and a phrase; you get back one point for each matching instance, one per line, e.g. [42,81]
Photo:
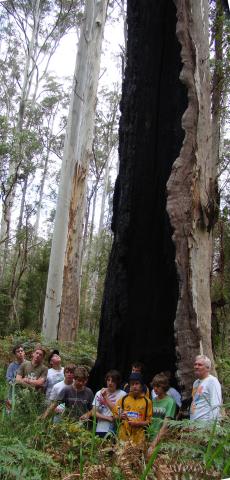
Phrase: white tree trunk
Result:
[191,194]
[61,310]
[104,195]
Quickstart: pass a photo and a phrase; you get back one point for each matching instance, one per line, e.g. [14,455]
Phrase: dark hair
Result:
[81,372]
[115,375]
[54,352]
[136,377]
[160,380]
[71,367]
[16,347]
[139,365]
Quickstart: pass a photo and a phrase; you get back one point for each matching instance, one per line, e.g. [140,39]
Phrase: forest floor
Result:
[32,449]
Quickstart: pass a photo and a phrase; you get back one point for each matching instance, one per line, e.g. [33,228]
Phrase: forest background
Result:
[34,107]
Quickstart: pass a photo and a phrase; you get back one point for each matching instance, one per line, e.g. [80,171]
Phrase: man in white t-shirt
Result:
[104,400]
[55,372]
[206,392]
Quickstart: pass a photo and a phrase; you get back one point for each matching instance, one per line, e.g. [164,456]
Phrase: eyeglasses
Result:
[20,350]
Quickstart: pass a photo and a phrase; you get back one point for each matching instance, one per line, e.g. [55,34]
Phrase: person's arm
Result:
[158,438]
[215,398]
[87,415]
[104,393]
[100,416]
[170,414]
[10,374]
[39,382]
[20,379]
[117,411]
[20,375]
[50,409]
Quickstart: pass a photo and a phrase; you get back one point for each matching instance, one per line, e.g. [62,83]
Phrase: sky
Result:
[63,61]
[63,64]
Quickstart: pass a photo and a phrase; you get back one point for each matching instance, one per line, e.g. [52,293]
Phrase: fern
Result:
[19,461]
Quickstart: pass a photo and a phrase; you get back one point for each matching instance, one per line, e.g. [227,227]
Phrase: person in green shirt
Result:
[164,408]
[33,374]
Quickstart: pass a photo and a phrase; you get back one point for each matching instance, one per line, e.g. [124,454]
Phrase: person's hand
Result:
[123,416]
[84,417]
[134,423]
[42,417]
[110,419]
[104,392]
[150,450]
[27,380]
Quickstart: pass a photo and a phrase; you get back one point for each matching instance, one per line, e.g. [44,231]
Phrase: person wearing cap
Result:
[137,367]
[55,372]
[134,411]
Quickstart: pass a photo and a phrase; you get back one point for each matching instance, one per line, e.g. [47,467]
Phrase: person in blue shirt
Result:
[13,367]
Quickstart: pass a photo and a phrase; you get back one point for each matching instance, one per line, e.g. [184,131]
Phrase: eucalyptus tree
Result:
[61,310]
[31,32]
[156,302]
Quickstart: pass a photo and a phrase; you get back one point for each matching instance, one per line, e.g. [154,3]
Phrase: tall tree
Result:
[156,305]
[37,27]
[61,311]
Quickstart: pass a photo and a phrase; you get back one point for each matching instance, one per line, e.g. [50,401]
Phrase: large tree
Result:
[61,312]
[156,305]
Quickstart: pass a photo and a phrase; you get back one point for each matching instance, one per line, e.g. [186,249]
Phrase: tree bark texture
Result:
[61,311]
[191,194]
[156,305]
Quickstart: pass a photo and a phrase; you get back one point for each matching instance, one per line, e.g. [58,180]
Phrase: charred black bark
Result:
[141,288]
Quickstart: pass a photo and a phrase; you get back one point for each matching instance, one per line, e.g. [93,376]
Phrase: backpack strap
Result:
[123,401]
[146,406]
[146,403]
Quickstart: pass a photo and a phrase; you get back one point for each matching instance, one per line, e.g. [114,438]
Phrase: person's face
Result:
[69,377]
[159,390]
[200,369]
[136,369]
[80,383]
[135,388]
[55,361]
[111,385]
[20,354]
[37,356]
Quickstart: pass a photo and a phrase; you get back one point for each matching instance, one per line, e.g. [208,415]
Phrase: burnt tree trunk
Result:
[145,282]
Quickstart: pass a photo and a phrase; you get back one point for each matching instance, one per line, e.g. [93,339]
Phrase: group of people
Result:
[129,408]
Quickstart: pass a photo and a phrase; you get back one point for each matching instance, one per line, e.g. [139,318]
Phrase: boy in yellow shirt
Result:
[134,410]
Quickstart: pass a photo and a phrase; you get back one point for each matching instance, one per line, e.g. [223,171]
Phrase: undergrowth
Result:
[32,449]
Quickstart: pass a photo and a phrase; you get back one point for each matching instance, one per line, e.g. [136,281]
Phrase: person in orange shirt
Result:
[134,411]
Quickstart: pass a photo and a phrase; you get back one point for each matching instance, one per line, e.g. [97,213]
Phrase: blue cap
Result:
[136,377]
